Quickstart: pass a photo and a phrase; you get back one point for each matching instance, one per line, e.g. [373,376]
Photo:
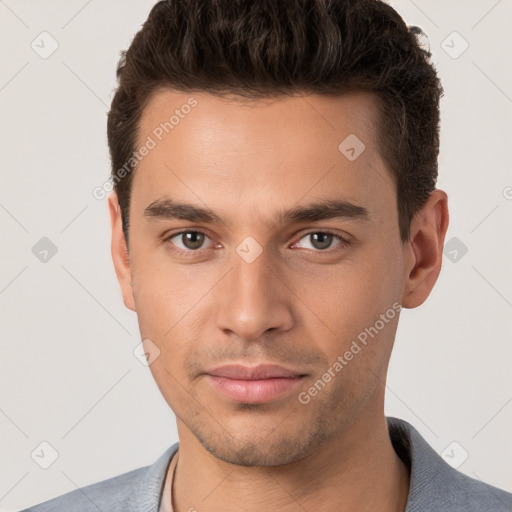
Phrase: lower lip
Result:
[253,391]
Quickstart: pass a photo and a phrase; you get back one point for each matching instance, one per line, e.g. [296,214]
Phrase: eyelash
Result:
[192,253]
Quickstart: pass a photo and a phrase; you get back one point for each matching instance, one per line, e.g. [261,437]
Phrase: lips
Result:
[262,371]
[256,384]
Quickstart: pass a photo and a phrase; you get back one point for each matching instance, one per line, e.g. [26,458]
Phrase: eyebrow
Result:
[168,209]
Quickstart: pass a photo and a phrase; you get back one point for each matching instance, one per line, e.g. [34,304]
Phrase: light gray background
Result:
[68,373]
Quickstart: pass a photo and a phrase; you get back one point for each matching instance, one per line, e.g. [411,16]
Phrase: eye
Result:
[322,240]
[191,241]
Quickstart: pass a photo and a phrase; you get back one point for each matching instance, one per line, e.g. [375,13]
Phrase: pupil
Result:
[321,240]
[193,239]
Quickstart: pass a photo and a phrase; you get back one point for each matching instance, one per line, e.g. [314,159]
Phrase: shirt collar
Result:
[146,496]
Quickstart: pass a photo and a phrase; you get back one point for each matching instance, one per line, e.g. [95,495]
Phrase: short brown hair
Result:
[266,48]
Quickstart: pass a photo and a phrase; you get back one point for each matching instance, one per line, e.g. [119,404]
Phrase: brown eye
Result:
[190,240]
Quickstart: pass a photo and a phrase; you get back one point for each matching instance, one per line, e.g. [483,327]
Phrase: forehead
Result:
[235,118]
[235,153]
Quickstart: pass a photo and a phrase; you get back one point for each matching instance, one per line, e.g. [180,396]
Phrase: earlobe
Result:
[424,252]
[120,256]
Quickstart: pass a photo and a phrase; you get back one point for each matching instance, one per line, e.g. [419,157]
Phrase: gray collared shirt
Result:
[434,485]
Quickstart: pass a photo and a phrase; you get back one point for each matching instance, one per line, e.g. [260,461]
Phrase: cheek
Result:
[352,299]
[164,292]
[174,387]
[169,301]
[378,276]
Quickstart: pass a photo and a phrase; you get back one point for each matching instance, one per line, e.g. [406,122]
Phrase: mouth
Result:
[256,384]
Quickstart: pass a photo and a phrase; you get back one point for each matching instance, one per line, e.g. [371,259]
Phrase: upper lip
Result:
[261,371]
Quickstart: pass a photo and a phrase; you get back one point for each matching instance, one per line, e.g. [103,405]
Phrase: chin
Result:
[251,449]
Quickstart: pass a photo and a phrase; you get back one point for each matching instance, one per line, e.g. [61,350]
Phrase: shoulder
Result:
[94,497]
[437,486]
[472,495]
[139,489]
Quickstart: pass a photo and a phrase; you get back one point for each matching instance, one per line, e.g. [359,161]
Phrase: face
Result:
[294,259]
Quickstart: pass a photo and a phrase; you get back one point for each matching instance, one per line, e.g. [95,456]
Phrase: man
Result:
[275,208]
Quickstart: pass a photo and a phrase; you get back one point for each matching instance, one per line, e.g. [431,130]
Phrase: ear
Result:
[424,251]
[120,254]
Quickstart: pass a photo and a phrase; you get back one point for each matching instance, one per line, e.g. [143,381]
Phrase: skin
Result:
[297,304]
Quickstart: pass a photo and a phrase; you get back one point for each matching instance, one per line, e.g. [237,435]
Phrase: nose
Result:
[253,299]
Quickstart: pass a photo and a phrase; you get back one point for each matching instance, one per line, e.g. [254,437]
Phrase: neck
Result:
[358,470]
